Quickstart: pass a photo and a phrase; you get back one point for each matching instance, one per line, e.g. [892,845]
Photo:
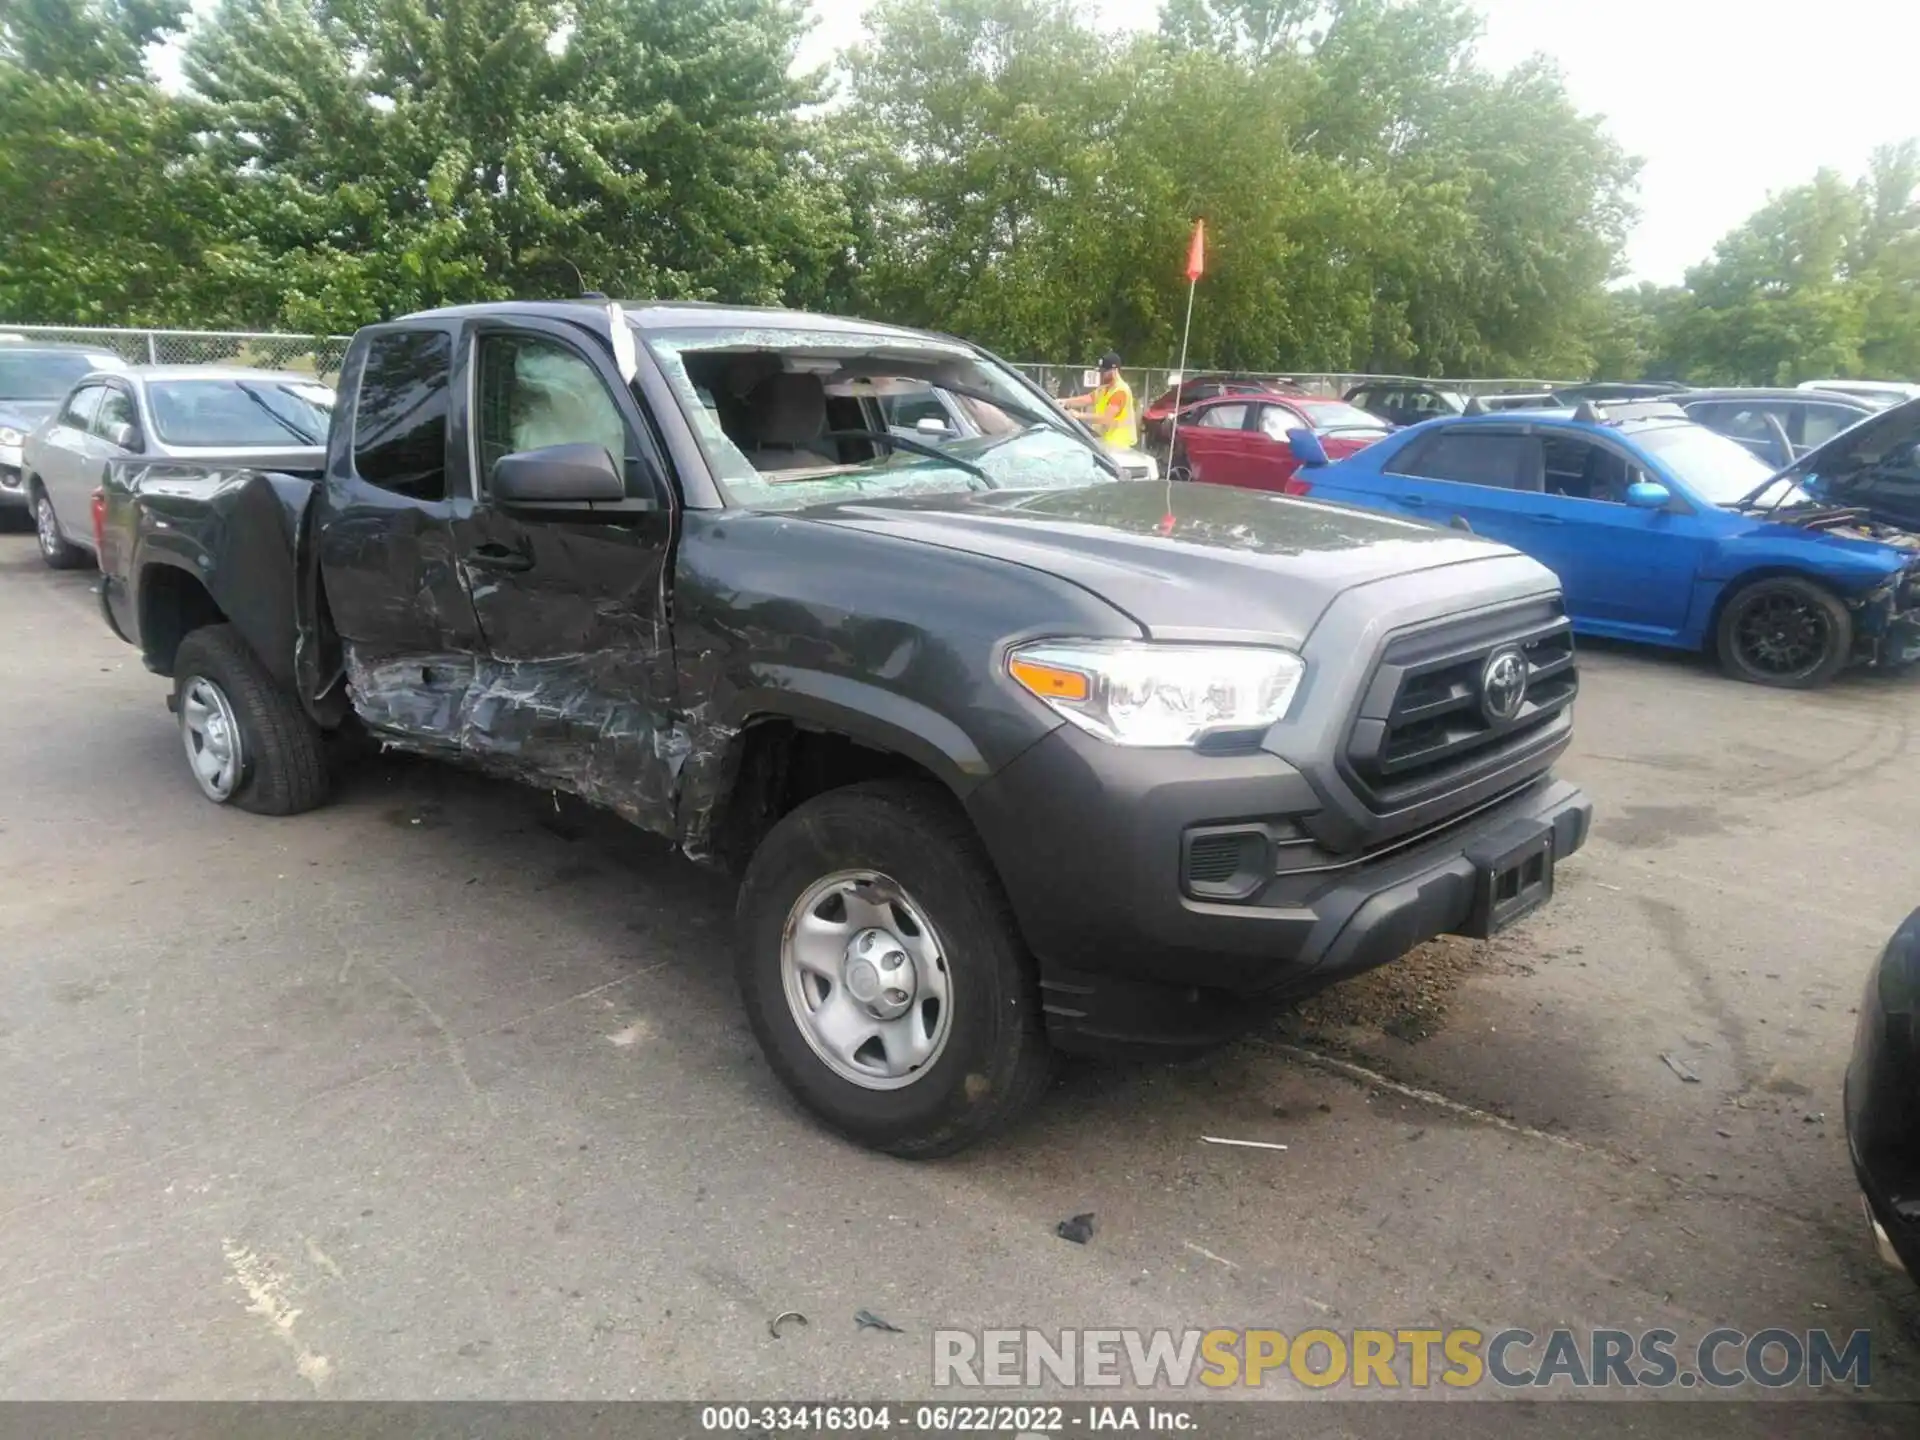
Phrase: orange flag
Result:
[1197,252]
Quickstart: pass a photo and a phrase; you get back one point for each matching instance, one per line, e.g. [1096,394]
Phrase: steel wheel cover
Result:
[866,979]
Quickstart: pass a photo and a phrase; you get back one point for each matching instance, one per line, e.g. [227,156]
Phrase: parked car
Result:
[1883,1100]
[1777,425]
[33,379]
[1600,391]
[1664,531]
[1405,402]
[1877,392]
[1520,400]
[1008,755]
[1243,440]
[1157,419]
[181,412]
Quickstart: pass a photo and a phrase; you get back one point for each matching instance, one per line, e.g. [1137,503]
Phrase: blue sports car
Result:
[1663,531]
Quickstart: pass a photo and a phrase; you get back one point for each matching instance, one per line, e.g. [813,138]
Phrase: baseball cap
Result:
[1110,360]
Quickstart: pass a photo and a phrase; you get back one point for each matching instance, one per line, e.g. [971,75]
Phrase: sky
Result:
[1724,101]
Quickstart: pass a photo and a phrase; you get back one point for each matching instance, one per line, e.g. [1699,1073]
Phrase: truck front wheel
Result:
[248,742]
[884,975]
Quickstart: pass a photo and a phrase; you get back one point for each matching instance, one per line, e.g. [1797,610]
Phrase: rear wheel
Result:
[1785,631]
[54,548]
[248,742]
[883,974]
[1178,466]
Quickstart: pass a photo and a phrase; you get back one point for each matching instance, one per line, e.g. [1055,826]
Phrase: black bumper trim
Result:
[1129,964]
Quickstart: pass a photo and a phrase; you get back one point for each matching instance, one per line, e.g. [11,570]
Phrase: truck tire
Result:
[1785,631]
[248,742]
[883,973]
[54,548]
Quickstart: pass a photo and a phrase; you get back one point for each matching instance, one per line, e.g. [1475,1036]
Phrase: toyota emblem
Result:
[1503,685]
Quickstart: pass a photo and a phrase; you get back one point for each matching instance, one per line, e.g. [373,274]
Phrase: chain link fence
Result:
[321,355]
[1148,382]
[317,355]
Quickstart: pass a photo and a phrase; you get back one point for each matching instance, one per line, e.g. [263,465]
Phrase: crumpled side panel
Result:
[557,723]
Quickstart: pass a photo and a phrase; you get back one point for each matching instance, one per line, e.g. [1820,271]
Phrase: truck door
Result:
[394,590]
[579,691]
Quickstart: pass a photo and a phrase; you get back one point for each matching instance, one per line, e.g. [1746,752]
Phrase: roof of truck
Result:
[676,314]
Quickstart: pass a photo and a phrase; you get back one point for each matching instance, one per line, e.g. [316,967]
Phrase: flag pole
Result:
[1185,333]
[1196,266]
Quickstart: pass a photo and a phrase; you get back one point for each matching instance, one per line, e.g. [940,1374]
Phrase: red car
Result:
[1242,439]
[1155,422]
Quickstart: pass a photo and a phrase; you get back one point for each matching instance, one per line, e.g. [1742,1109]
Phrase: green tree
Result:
[391,154]
[1776,303]
[104,222]
[1373,198]
[1886,264]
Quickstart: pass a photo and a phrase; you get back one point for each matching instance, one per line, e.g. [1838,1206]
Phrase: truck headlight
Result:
[1131,692]
[10,437]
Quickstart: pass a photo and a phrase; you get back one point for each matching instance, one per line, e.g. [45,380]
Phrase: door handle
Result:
[1546,519]
[1413,500]
[495,556]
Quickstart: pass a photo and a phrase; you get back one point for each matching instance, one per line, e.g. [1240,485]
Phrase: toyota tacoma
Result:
[1009,757]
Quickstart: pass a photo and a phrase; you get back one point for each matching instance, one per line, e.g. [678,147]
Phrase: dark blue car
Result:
[1663,531]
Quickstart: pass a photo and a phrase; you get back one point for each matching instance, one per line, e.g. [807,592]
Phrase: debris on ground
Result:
[1079,1229]
[1249,1144]
[1680,1068]
[867,1320]
[773,1325]
[1408,999]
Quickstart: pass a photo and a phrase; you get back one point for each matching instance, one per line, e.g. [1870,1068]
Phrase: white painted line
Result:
[1426,1097]
[1202,1250]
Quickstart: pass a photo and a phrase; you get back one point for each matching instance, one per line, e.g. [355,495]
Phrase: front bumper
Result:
[1090,841]
[1883,1100]
[13,490]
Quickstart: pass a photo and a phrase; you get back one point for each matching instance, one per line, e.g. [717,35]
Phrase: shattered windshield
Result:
[789,417]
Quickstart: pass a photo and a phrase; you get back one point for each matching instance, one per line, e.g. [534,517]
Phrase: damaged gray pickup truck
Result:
[1012,756]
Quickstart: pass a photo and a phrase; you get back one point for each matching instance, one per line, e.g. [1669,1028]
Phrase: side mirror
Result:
[932,425]
[578,474]
[125,436]
[1649,495]
[1306,448]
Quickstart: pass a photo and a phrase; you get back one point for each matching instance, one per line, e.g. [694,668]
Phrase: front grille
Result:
[1423,728]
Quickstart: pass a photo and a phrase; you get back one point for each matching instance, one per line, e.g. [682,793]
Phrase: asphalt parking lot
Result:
[443,1092]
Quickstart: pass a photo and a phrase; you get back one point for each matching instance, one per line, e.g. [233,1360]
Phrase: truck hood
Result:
[1183,560]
